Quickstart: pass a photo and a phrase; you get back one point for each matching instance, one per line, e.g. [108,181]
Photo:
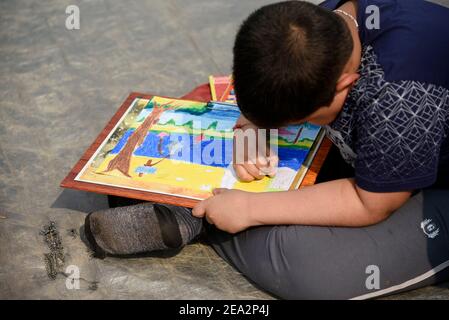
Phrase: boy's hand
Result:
[228,210]
[255,166]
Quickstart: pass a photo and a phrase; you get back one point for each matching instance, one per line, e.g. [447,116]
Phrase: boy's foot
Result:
[140,228]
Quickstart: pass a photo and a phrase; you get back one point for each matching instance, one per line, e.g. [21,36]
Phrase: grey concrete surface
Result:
[58,88]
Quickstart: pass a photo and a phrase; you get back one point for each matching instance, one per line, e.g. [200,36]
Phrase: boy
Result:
[382,92]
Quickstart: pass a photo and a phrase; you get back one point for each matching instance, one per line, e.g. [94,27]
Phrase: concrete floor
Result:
[58,88]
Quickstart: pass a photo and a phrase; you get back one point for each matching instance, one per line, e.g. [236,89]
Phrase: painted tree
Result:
[298,135]
[122,160]
[305,125]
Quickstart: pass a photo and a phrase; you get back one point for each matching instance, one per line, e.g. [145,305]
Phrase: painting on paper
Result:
[184,148]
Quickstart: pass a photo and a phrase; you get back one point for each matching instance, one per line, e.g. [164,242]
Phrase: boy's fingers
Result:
[209,221]
[273,161]
[268,165]
[261,161]
[200,209]
[273,164]
[272,172]
[242,174]
[253,170]
[264,166]
[267,171]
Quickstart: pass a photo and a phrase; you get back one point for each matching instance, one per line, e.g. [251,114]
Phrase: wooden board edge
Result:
[317,163]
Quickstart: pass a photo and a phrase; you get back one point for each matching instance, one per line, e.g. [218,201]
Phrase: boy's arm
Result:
[333,203]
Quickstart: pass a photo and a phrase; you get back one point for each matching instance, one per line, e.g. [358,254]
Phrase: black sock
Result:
[140,228]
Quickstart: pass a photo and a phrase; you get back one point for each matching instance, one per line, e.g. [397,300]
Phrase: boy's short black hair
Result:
[288,57]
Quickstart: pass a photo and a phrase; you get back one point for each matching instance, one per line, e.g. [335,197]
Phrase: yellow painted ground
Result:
[171,176]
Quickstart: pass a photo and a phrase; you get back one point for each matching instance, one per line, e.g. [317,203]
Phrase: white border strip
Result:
[406,284]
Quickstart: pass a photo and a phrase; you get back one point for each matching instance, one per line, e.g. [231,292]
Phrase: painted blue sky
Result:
[226,115]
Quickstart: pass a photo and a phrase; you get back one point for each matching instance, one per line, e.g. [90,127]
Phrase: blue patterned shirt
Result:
[394,125]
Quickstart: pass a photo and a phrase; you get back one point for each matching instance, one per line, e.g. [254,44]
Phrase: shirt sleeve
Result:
[399,137]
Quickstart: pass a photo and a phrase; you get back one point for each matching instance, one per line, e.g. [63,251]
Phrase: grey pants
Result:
[408,250]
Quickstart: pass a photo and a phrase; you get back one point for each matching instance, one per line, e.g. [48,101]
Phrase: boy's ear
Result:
[346,80]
